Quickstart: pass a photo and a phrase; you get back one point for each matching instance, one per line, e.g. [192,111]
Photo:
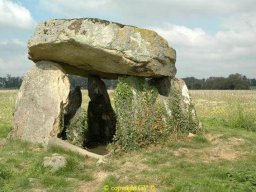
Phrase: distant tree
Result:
[2,82]
[252,82]
[216,83]
[237,81]
[10,82]
[110,83]
[78,81]
[233,81]
[194,83]
[83,82]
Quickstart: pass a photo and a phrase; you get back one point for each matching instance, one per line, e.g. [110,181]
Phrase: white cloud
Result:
[184,36]
[14,16]
[15,21]
[201,54]
[13,58]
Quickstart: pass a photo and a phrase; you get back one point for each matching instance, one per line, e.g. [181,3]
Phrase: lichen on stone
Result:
[76,25]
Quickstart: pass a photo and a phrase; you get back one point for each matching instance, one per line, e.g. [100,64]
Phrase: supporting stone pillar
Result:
[175,97]
[101,116]
[149,111]
[40,104]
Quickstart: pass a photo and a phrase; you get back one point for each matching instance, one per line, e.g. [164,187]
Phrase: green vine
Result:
[183,118]
[138,122]
[142,119]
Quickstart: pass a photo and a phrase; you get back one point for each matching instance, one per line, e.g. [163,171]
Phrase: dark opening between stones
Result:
[92,128]
[75,102]
[101,116]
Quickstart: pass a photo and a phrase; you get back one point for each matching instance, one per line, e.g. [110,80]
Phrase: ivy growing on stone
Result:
[142,117]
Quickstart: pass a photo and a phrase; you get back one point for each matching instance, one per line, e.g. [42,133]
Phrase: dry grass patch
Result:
[220,149]
[95,184]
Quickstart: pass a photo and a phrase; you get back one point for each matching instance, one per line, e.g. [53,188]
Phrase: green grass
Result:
[21,161]
[222,158]
[232,109]
[5,128]
[7,103]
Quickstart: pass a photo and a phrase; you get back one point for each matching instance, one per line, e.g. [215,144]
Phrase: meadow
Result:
[221,158]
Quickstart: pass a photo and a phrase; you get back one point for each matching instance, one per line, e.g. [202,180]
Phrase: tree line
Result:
[233,82]
[10,82]
[83,82]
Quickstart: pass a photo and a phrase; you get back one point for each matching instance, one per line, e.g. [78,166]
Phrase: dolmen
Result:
[148,96]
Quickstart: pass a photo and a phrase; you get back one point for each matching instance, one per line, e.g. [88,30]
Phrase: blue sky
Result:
[212,38]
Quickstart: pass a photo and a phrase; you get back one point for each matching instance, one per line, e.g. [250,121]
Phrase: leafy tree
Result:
[83,82]
[216,83]
[252,82]
[194,83]
[237,81]
[10,82]
[233,81]
[78,81]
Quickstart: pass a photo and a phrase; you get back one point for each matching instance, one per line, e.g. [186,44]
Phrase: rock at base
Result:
[54,162]
[40,103]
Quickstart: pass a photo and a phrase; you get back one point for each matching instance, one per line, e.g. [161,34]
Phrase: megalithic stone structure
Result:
[90,48]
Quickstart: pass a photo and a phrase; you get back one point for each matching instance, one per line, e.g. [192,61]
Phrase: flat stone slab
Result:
[98,47]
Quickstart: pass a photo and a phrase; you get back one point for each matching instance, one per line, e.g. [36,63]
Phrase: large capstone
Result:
[40,104]
[98,47]
[101,116]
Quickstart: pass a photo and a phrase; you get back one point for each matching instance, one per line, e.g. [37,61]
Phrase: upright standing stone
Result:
[101,116]
[175,97]
[40,104]
[149,111]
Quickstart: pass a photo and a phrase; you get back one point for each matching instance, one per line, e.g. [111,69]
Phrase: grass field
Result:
[221,159]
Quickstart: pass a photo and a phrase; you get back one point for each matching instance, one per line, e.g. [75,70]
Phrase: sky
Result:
[211,38]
